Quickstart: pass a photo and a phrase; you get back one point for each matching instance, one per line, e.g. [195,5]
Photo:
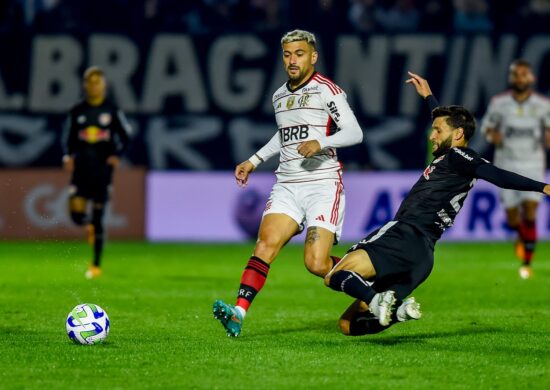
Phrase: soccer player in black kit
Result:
[381,270]
[97,133]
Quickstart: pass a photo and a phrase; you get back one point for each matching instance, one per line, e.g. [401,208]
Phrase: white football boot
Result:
[381,306]
[408,310]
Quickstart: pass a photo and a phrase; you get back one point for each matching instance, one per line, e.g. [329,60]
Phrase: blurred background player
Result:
[97,133]
[517,122]
[313,118]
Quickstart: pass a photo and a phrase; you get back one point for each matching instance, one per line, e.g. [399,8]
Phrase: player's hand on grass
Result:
[242,171]
[68,163]
[113,161]
[309,148]
[421,85]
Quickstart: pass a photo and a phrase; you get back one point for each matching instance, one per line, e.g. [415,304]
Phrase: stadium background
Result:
[196,79]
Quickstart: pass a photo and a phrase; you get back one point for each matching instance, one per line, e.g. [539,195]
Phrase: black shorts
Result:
[402,257]
[92,184]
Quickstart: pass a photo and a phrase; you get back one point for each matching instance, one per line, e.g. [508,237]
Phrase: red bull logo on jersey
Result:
[94,134]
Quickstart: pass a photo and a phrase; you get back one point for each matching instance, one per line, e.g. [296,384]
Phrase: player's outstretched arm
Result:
[423,89]
[421,84]
[509,180]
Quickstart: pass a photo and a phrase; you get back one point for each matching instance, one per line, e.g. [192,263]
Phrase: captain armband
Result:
[255,160]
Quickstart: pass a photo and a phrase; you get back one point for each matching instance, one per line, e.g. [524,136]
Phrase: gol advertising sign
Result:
[33,205]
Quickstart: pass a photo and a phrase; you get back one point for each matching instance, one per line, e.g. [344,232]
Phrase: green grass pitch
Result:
[482,327]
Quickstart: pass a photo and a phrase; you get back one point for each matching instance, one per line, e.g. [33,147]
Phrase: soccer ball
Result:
[87,324]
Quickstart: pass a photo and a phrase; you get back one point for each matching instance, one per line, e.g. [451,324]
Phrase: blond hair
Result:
[92,71]
[298,35]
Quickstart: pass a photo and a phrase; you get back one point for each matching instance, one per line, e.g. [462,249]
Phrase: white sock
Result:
[241,311]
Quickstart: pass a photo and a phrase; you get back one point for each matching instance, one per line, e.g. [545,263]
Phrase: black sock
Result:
[352,284]
[366,323]
[97,220]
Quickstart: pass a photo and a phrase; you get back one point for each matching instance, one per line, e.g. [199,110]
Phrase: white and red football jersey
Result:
[315,110]
[522,125]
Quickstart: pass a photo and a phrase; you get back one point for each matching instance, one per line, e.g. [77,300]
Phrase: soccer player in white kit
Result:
[517,122]
[313,119]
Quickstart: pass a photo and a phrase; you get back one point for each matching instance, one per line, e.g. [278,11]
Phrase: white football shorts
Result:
[513,198]
[317,203]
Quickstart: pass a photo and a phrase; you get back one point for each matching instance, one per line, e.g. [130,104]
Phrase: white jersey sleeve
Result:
[492,118]
[270,149]
[337,107]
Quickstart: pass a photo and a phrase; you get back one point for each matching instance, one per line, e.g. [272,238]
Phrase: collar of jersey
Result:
[301,85]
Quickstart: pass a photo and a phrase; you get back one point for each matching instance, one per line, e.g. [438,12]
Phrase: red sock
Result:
[528,234]
[335,260]
[252,281]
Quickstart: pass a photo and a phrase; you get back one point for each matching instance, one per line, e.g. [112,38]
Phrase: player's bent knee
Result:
[77,204]
[319,267]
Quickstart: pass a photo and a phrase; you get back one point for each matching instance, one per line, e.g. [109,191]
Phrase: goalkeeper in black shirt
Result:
[386,266]
[97,133]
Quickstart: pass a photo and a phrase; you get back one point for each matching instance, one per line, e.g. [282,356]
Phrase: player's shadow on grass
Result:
[388,339]
[326,326]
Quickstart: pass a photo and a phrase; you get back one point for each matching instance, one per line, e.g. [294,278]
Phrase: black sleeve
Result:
[122,130]
[507,179]
[432,102]
[69,138]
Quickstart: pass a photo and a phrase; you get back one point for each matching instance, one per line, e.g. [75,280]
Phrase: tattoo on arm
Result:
[312,235]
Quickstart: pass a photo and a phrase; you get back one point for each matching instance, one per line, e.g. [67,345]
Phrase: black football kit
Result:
[402,250]
[93,134]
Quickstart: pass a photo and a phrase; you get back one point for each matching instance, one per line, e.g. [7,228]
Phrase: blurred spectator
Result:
[398,16]
[217,16]
[31,8]
[83,16]
[437,16]
[265,14]
[534,17]
[318,15]
[472,16]
[11,16]
[161,15]
[504,14]
[362,15]
[62,15]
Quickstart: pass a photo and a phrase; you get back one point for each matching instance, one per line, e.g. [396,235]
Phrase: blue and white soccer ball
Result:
[87,324]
